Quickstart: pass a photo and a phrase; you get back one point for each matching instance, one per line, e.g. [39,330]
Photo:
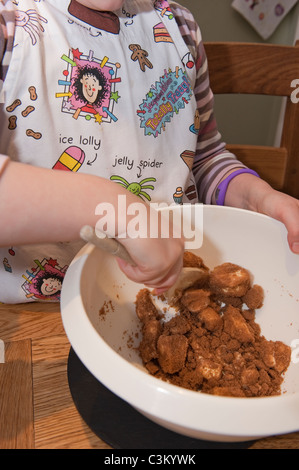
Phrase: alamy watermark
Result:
[295,93]
[162,220]
[295,351]
[2,352]
[1,92]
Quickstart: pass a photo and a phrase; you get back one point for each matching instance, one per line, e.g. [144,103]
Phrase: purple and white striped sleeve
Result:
[213,161]
[7,27]
[7,30]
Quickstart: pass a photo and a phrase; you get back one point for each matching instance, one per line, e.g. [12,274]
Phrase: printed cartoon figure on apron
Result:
[89,87]
[31,22]
[44,281]
[136,188]
[140,55]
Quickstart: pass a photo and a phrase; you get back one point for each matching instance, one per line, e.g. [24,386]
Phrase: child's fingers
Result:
[289,216]
[284,208]
[156,278]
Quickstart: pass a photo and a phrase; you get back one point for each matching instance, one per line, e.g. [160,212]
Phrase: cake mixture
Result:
[213,344]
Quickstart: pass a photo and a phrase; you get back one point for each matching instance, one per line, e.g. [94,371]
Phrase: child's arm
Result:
[64,202]
[250,192]
[213,162]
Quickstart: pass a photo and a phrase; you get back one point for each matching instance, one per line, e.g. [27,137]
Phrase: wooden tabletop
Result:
[36,407]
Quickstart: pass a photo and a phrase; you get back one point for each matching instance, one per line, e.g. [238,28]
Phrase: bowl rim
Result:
[242,420]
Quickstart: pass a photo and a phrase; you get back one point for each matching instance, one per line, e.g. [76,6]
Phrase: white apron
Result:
[118,105]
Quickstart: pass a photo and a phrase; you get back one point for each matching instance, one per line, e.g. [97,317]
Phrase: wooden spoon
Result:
[188,277]
[110,245]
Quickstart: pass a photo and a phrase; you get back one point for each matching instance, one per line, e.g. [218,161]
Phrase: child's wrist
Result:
[223,185]
[125,217]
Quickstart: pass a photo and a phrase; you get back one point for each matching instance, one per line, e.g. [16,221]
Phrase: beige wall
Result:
[242,119]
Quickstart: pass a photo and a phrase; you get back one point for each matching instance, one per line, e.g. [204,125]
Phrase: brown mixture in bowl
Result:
[213,343]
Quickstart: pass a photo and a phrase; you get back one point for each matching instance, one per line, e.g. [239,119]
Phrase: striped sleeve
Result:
[4,159]
[7,29]
[212,160]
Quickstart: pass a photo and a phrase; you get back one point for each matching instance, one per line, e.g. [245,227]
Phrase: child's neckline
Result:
[104,20]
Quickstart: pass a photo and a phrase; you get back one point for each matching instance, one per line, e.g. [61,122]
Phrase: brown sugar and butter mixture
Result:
[213,344]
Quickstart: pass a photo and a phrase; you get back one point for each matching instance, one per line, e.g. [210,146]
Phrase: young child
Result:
[114,94]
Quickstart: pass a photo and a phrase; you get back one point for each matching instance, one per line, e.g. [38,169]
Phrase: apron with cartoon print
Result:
[82,99]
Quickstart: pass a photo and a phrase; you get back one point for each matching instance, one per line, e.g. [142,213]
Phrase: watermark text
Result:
[2,352]
[157,220]
[295,93]
[295,351]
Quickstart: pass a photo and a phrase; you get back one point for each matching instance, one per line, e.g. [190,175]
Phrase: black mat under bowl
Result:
[118,424]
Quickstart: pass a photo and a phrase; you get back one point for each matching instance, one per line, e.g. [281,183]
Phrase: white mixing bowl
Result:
[104,342]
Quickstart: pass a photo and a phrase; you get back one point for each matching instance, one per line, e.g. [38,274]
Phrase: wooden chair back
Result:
[262,69]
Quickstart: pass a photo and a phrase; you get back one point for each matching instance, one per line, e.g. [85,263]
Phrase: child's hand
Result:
[250,192]
[284,208]
[159,261]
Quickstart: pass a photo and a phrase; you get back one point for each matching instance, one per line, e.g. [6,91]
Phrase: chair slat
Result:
[268,162]
[245,68]
[262,69]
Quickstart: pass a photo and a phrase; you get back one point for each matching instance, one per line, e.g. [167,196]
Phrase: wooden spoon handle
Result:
[110,245]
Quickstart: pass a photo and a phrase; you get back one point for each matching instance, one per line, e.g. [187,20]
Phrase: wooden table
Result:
[36,407]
